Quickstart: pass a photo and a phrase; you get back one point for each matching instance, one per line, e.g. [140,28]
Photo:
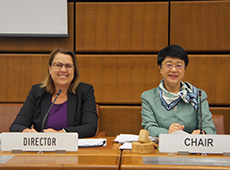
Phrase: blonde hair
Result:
[48,82]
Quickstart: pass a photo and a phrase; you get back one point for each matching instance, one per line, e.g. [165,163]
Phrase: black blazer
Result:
[81,110]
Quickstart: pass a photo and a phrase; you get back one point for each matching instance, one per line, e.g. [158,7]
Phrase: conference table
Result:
[95,158]
[160,161]
[109,157]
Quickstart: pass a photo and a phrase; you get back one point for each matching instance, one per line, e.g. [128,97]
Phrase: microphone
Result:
[47,113]
[200,113]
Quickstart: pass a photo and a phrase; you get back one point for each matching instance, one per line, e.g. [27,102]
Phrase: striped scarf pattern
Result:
[187,93]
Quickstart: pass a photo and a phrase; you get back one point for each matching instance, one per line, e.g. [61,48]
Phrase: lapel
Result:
[71,108]
[45,103]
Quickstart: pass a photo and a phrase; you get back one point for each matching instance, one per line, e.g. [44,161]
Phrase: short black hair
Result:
[174,51]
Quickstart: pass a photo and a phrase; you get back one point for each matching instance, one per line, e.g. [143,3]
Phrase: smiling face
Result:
[172,71]
[61,76]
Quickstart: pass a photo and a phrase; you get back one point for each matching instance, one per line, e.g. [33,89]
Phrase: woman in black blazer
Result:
[74,109]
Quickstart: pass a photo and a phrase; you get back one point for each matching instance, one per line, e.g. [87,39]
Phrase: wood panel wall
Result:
[121,27]
[19,73]
[117,43]
[201,25]
[117,79]
[127,119]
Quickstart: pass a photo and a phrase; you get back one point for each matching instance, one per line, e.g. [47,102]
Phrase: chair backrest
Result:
[8,113]
[99,133]
[218,121]
[97,107]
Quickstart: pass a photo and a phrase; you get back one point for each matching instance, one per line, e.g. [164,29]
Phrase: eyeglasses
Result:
[59,66]
[177,66]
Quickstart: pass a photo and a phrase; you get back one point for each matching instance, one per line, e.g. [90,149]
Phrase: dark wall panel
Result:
[210,73]
[121,27]
[200,25]
[118,79]
[19,73]
[122,78]
[127,119]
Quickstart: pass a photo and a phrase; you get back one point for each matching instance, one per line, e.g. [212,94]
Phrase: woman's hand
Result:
[175,127]
[197,132]
[29,130]
[50,130]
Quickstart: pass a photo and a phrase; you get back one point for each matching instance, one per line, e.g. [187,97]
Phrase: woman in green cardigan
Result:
[174,104]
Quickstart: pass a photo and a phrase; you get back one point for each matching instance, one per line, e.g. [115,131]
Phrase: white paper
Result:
[122,138]
[180,132]
[126,145]
[91,142]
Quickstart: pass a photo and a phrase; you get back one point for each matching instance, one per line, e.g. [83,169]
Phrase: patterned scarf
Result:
[187,93]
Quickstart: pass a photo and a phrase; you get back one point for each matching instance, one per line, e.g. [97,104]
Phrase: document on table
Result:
[83,143]
[126,145]
[127,139]
[122,138]
[180,132]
